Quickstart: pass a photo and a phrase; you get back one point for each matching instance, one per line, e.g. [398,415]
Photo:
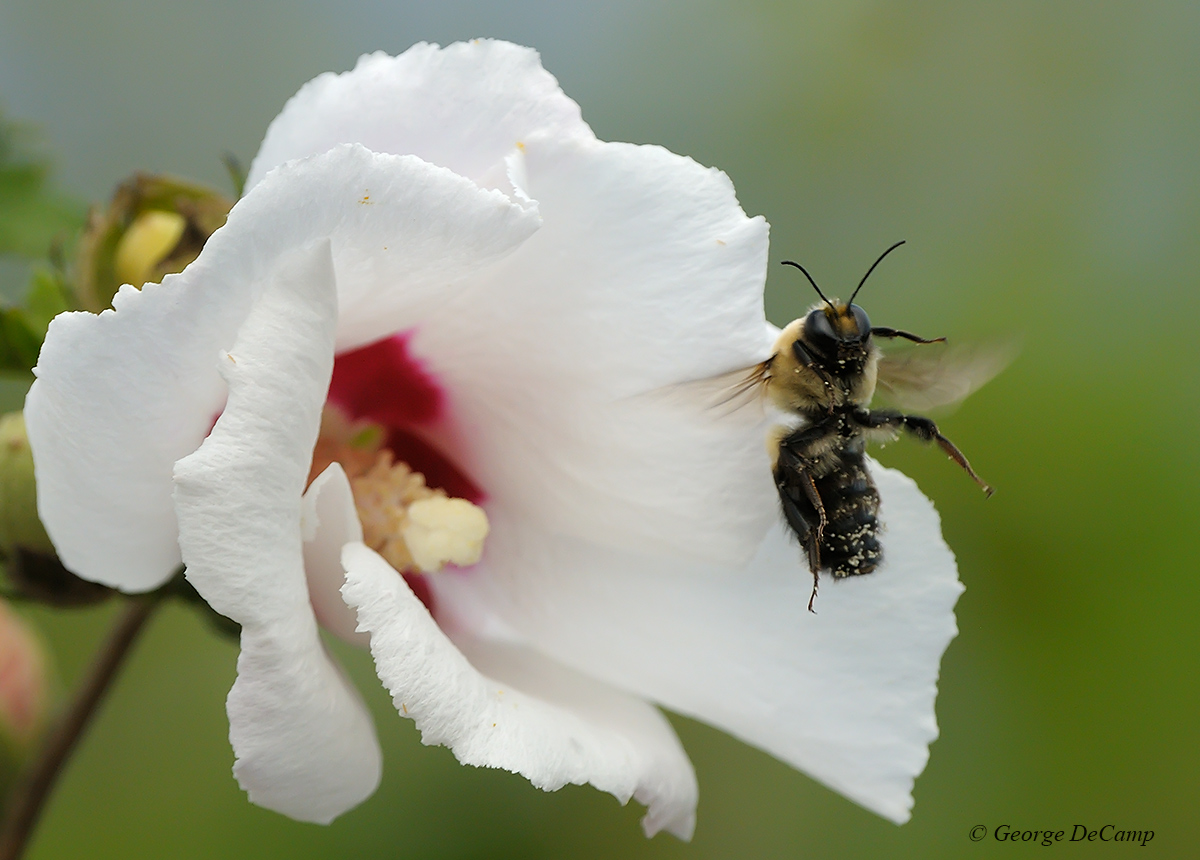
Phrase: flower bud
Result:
[23,684]
[33,567]
[150,239]
[19,523]
[155,225]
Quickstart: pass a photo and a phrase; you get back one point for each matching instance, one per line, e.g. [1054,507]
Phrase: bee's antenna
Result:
[870,270]
[810,280]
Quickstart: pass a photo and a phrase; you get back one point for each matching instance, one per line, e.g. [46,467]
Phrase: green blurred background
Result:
[1042,161]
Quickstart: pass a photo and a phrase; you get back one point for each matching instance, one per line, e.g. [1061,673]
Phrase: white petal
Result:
[405,235]
[846,695]
[517,711]
[646,274]
[463,107]
[123,395]
[304,742]
[330,521]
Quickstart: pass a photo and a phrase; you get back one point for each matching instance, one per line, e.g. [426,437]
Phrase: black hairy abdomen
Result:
[851,541]
[849,544]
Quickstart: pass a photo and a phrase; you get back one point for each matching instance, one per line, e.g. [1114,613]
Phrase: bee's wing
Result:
[736,390]
[930,376]
[724,394]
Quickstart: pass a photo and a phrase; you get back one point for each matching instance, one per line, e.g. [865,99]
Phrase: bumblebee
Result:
[823,372]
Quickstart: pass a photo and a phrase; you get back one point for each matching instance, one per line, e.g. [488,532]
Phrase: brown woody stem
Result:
[37,780]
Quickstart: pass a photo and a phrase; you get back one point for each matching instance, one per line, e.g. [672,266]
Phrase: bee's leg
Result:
[801,522]
[791,470]
[925,430]
[814,498]
[808,534]
[884,331]
[814,542]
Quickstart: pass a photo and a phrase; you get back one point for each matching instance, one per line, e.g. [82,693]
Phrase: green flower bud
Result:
[19,523]
[32,566]
[154,226]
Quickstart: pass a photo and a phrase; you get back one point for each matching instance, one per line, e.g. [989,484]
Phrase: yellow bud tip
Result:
[151,237]
[441,531]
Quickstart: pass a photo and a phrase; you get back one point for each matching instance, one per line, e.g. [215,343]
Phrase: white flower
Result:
[530,292]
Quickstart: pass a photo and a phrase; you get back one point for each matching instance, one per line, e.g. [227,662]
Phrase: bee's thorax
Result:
[806,376]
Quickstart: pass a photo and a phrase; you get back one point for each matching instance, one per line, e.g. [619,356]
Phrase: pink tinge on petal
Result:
[385,383]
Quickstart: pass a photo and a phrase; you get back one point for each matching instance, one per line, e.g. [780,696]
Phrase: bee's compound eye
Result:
[819,333]
[861,321]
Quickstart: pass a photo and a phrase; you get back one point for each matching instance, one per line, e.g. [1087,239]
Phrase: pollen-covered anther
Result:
[442,531]
[417,529]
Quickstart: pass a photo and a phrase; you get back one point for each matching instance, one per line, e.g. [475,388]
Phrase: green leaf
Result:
[33,217]
[47,298]
[23,328]
[19,342]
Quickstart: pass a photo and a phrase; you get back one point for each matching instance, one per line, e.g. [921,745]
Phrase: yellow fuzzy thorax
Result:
[792,387]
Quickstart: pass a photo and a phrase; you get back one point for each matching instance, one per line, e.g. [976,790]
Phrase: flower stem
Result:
[33,787]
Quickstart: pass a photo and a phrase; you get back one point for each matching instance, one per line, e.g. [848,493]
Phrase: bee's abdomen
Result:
[850,546]
[822,475]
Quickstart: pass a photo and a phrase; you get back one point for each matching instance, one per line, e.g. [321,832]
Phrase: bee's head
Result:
[834,327]
[837,328]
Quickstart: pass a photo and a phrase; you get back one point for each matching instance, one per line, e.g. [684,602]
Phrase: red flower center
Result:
[386,384]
